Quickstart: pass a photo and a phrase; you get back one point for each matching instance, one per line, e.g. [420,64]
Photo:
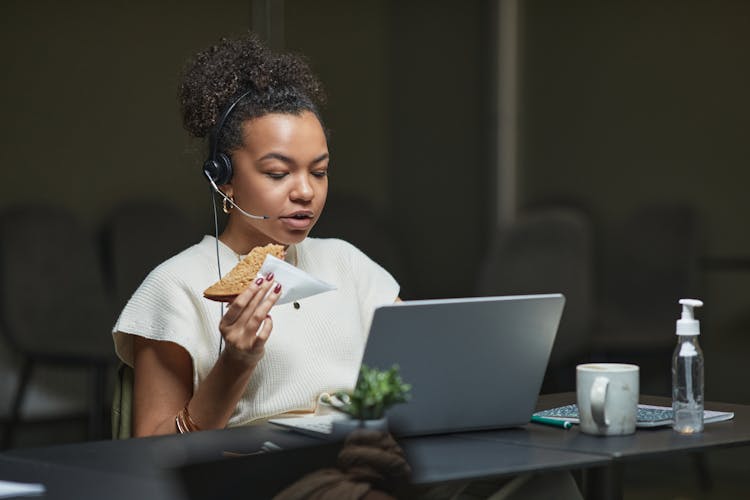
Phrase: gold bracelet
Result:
[191,424]
[179,424]
[184,422]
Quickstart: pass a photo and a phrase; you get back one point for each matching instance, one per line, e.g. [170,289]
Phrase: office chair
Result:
[546,250]
[355,220]
[136,237]
[653,262]
[122,403]
[54,310]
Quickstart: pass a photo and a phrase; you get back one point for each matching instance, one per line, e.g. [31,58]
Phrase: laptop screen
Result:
[473,363]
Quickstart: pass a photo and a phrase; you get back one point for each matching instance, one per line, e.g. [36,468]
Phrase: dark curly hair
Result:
[216,76]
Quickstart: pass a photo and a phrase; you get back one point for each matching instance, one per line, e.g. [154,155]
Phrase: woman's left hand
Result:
[247,323]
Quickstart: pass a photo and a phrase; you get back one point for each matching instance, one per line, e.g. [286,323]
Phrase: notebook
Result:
[473,363]
[646,415]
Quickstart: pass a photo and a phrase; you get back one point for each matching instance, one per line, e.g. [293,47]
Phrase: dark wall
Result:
[622,103]
[628,103]
[405,108]
[88,93]
[91,118]
[438,159]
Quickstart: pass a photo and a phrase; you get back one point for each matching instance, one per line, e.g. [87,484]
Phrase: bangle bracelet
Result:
[179,424]
[184,422]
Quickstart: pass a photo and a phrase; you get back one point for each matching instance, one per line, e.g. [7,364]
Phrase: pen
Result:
[551,421]
[269,446]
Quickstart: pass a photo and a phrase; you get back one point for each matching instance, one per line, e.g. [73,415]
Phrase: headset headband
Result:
[214,145]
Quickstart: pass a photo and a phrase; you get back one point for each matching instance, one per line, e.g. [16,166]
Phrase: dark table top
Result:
[210,463]
[468,456]
[64,482]
[135,468]
[432,459]
[644,443]
[169,467]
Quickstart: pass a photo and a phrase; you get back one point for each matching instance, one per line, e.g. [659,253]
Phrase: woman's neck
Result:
[242,239]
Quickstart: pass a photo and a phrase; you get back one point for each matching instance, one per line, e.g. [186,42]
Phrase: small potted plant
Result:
[375,392]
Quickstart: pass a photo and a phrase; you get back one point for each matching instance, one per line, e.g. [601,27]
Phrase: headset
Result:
[218,170]
[218,167]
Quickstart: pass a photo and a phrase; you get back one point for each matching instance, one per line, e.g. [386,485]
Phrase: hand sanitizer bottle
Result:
[687,373]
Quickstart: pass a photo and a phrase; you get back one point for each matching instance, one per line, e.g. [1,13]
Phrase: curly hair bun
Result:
[218,74]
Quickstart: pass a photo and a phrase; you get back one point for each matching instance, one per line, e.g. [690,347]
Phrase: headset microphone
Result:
[231,201]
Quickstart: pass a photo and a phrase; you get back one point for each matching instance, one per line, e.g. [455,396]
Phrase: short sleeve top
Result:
[312,349]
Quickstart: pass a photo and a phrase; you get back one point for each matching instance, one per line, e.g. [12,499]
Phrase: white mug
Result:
[607,396]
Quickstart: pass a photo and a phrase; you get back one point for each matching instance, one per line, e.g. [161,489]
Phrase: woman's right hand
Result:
[247,324]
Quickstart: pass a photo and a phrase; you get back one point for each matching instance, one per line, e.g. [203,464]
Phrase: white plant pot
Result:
[342,427]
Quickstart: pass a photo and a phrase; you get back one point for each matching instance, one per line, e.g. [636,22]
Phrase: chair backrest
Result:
[547,250]
[652,263]
[122,403]
[52,296]
[139,235]
[358,222]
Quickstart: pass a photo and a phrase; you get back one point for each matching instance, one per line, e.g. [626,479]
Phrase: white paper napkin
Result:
[12,489]
[296,284]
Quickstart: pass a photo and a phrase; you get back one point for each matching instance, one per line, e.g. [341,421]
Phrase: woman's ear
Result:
[228,189]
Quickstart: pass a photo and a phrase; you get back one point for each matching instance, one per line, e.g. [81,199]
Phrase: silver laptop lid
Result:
[473,363]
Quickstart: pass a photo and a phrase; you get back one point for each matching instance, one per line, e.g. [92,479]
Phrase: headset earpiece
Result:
[219,169]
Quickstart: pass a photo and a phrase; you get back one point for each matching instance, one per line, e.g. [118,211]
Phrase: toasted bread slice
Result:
[244,273]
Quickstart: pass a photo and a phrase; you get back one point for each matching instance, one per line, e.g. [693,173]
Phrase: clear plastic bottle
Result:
[687,373]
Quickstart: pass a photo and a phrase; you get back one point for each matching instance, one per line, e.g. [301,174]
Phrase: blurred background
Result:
[478,147]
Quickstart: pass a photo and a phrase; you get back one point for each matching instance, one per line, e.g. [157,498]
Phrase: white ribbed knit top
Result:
[314,349]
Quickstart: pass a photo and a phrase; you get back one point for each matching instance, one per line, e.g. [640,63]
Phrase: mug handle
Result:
[598,399]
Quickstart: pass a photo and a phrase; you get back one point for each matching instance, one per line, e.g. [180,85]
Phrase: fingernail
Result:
[259,281]
[277,288]
[269,277]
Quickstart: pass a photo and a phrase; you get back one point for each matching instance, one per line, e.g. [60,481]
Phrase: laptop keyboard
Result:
[315,426]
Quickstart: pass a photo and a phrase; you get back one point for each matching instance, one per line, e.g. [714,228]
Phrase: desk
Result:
[65,482]
[469,456]
[163,464]
[434,459]
[644,444]
[142,468]
[148,467]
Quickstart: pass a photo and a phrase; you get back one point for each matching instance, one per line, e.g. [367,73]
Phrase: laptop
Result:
[473,363]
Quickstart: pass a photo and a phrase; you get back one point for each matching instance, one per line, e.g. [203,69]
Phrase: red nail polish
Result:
[259,281]
[277,289]
[269,277]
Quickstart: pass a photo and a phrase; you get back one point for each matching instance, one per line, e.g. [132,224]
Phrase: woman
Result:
[198,366]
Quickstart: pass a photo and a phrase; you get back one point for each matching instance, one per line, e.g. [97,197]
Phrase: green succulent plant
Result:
[375,392]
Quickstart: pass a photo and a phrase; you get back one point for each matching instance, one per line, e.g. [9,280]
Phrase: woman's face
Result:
[280,171]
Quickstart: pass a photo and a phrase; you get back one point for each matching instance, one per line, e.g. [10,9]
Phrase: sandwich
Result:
[245,272]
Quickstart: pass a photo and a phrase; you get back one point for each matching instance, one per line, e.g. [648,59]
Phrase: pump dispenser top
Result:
[687,324]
